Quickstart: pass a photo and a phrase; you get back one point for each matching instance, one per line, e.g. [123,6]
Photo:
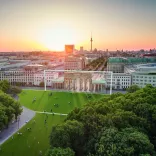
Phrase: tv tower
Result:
[91,40]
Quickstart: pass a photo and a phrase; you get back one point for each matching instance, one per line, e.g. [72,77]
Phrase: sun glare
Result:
[56,38]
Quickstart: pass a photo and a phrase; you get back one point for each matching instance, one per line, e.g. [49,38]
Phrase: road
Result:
[26,116]
[102,65]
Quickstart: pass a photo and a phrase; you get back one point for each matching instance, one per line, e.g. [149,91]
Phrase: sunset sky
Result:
[50,24]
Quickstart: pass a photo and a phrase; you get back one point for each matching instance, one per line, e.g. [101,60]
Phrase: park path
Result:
[50,113]
[25,116]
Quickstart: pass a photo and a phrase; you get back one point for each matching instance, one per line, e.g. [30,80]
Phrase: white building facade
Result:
[19,76]
[120,81]
[143,74]
[129,71]
[143,79]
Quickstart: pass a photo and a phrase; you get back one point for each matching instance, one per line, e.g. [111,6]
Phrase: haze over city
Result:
[50,24]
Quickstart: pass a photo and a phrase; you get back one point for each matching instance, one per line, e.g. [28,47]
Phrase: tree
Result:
[17,109]
[133,88]
[69,134]
[4,86]
[60,152]
[59,137]
[125,124]
[41,84]
[15,90]
[8,109]
[3,117]
[18,83]
[129,141]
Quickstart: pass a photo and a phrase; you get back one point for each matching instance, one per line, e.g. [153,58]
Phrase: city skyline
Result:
[50,24]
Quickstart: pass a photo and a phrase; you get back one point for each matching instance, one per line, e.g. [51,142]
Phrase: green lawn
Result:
[46,102]
[31,142]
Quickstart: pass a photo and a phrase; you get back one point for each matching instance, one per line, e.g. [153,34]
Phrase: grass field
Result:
[46,102]
[30,143]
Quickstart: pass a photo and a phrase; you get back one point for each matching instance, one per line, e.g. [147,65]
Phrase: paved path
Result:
[50,113]
[26,115]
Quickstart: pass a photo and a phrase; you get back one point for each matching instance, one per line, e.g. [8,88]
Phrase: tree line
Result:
[9,107]
[95,64]
[116,125]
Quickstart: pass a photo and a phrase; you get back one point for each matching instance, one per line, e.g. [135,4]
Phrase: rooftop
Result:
[131,60]
[34,65]
[142,68]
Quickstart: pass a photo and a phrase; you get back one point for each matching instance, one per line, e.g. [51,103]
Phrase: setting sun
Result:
[56,37]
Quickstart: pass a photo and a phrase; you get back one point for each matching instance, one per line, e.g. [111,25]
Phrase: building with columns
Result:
[86,82]
[78,81]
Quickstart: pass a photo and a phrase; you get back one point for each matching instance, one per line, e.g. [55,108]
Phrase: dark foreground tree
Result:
[60,152]
[69,134]
[120,124]
[126,142]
